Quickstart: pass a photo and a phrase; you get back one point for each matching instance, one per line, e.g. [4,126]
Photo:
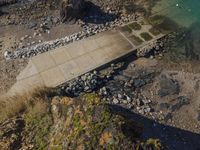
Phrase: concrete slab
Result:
[27,84]
[69,69]
[99,56]
[103,41]
[43,62]
[52,77]
[75,49]
[111,51]
[29,71]
[85,63]
[90,45]
[60,55]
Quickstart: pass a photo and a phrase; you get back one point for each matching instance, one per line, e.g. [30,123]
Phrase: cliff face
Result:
[65,123]
[72,10]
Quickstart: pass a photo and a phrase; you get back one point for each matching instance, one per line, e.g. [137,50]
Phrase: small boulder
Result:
[181,101]
[164,106]
[168,86]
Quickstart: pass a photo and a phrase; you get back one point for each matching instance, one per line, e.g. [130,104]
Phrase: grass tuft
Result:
[14,105]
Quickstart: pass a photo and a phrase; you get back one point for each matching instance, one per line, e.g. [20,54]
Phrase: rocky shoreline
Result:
[116,88]
[126,84]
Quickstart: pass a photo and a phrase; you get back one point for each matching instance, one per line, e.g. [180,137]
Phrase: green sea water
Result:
[183,12]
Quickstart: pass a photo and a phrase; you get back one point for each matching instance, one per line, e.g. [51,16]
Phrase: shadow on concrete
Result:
[173,138]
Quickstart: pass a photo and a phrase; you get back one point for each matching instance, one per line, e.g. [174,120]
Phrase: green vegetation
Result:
[38,121]
[55,122]
[146,36]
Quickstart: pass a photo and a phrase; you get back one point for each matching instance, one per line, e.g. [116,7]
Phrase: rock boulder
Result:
[71,10]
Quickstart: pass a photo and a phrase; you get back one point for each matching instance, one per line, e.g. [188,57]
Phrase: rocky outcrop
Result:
[168,86]
[90,124]
[72,10]
[68,123]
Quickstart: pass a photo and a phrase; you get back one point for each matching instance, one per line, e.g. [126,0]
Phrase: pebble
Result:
[115,101]
[7,55]
[120,96]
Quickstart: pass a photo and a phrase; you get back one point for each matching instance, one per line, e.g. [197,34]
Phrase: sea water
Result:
[183,12]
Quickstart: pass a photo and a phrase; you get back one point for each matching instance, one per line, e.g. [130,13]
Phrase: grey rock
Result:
[168,86]
[115,101]
[139,102]
[164,106]
[128,99]
[181,101]
[141,111]
[168,117]
[32,24]
[7,55]
[120,96]
[125,102]
[148,109]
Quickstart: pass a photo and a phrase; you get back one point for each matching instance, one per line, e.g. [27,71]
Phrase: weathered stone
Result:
[32,24]
[115,101]
[168,117]
[168,86]
[72,10]
[164,106]
[181,101]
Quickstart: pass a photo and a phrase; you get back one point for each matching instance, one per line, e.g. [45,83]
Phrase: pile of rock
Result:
[135,101]
[85,83]
[110,91]
[126,94]
[155,47]
[89,82]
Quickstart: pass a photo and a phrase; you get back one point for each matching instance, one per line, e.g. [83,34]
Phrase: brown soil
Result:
[186,117]
[9,69]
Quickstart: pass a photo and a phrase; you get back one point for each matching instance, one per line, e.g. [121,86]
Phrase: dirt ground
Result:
[8,69]
[186,117]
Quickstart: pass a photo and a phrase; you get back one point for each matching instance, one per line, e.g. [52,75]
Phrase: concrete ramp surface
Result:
[67,62]
[63,64]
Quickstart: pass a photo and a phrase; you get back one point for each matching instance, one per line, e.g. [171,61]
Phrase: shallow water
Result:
[183,12]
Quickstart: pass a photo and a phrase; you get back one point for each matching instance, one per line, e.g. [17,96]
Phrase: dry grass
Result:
[14,105]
